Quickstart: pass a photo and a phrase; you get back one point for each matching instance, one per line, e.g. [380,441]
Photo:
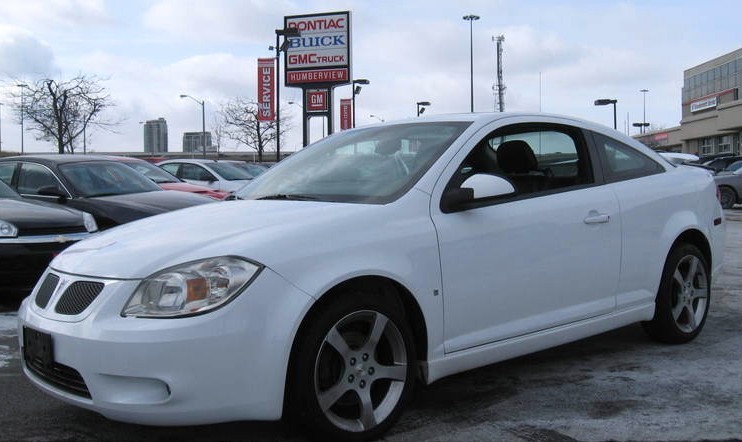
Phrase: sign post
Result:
[318,61]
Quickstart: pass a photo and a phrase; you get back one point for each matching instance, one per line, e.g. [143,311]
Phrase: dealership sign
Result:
[700,105]
[266,89]
[316,100]
[346,113]
[321,54]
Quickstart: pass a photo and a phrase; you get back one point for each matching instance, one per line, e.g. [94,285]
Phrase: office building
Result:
[192,141]
[155,135]
[711,110]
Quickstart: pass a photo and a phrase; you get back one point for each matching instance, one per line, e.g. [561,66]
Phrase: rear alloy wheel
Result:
[727,197]
[683,299]
[355,370]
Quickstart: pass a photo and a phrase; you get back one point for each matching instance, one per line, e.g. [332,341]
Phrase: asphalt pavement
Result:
[617,386]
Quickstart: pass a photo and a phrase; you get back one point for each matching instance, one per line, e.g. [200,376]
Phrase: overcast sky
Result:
[559,56]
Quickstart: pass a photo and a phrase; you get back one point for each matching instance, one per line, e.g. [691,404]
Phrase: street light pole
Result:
[203,120]
[356,91]
[421,107]
[644,116]
[23,110]
[286,32]
[471,18]
[606,101]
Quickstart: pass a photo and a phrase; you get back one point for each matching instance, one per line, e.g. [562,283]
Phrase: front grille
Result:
[60,376]
[78,297]
[60,230]
[46,290]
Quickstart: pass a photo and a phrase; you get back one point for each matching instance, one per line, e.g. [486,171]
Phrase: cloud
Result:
[23,55]
[247,21]
[54,13]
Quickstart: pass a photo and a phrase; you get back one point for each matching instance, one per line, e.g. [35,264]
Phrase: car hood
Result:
[153,202]
[256,230]
[38,215]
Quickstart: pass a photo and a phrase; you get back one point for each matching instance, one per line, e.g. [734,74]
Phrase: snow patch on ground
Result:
[8,324]
[8,329]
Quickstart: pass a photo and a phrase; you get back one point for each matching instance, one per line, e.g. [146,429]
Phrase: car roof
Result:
[190,160]
[58,158]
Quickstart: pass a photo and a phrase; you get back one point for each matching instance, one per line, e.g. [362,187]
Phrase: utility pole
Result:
[500,87]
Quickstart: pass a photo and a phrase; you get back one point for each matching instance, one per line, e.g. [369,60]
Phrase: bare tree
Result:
[241,125]
[61,111]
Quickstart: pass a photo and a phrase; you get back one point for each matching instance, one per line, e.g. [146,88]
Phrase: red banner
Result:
[346,113]
[266,89]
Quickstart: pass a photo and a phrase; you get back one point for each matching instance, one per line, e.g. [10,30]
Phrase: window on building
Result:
[706,146]
[725,144]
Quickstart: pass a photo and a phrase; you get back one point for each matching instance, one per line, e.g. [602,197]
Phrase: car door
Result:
[196,174]
[543,257]
[36,180]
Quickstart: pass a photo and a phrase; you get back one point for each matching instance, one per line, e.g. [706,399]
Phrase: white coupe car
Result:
[375,257]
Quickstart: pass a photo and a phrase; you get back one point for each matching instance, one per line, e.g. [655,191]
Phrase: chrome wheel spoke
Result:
[691,318]
[328,398]
[679,278]
[368,418]
[677,310]
[693,270]
[336,340]
[378,329]
[393,372]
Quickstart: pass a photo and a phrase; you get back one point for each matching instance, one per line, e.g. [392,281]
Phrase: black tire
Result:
[683,298]
[353,368]
[727,197]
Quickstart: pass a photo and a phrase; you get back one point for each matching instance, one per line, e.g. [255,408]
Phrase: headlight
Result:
[191,288]
[7,230]
[90,224]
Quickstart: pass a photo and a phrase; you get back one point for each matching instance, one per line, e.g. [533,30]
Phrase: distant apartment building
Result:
[155,135]
[711,110]
[192,141]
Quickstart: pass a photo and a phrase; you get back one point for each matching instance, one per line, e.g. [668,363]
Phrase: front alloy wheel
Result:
[361,370]
[683,299]
[354,368]
[727,197]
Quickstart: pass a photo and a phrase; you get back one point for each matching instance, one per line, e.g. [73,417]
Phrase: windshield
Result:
[102,178]
[152,172]
[7,192]
[230,172]
[253,169]
[370,165]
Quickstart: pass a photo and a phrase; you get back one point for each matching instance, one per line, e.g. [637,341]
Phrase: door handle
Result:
[596,218]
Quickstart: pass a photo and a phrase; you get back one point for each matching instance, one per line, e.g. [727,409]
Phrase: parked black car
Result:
[721,163]
[31,234]
[112,192]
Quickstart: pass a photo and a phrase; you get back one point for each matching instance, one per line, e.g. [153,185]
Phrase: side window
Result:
[33,177]
[622,162]
[533,159]
[172,168]
[6,172]
[198,173]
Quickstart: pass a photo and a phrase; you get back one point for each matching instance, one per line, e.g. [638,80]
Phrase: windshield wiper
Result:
[287,196]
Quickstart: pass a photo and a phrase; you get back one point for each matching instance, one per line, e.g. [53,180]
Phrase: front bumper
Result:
[229,364]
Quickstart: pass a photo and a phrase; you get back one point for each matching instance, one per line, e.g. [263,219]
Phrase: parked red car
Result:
[166,180]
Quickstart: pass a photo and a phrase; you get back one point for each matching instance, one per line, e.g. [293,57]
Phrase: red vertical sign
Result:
[266,89]
[346,113]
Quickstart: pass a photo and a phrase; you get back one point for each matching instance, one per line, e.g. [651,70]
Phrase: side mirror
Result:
[476,187]
[52,191]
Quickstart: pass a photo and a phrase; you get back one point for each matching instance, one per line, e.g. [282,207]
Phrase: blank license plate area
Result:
[37,347]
